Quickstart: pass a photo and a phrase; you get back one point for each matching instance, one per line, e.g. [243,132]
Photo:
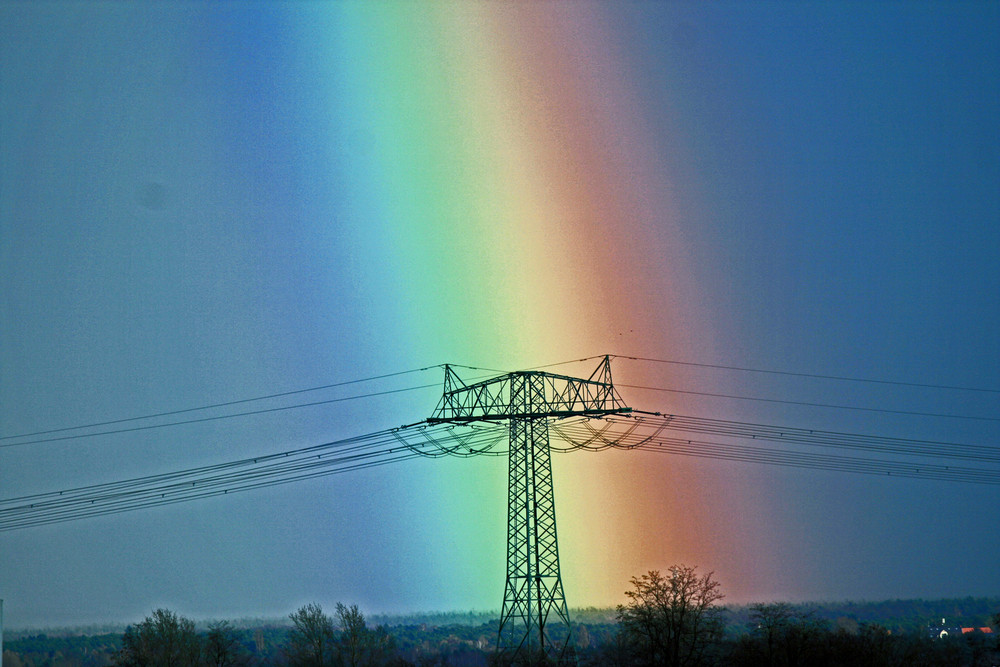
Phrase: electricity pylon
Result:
[528,401]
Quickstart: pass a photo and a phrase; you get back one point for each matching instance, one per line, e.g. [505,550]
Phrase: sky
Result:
[209,202]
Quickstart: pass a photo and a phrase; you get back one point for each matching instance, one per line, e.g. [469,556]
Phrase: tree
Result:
[310,642]
[222,647]
[357,645]
[781,634]
[161,640]
[770,622]
[353,633]
[672,620]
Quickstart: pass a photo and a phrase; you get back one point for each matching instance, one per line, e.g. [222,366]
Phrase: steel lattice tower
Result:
[528,401]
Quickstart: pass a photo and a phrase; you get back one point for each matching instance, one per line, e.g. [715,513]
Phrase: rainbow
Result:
[509,197]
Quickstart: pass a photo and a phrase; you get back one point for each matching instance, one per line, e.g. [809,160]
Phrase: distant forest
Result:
[896,632]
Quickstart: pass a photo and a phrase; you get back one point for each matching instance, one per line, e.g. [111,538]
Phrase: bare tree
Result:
[222,647]
[783,635]
[310,642]
[770,622]
[358,645]
[163,639]
[672,620]
[353,630]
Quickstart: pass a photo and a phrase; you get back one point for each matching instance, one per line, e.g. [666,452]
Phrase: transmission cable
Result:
[214,417]
[909,446]
[330,458]
[216,405]
[842,378]
[581,433]
[774,400]
[813,405]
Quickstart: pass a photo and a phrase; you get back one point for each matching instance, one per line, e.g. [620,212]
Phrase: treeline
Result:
[898,616]
[675,619]
[670,619]
[76,650]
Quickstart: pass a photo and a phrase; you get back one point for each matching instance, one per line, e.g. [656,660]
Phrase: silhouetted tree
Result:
[353,633]
[781,635]
[672,620]
[769,622]
[222,646]
[161,640]
[310,641]
[359,646]
[615,652]
[879,646]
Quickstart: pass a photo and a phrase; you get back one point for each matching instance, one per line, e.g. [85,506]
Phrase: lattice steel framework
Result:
[528,400]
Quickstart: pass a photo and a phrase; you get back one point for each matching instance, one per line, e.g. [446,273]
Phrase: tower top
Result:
[528,395]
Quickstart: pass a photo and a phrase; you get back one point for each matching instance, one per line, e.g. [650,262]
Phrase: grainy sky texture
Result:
[208,202]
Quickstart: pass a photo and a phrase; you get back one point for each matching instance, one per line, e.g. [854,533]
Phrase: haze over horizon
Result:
[208,202]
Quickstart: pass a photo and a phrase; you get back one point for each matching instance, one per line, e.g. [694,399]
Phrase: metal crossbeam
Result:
[561,396]
[528,400]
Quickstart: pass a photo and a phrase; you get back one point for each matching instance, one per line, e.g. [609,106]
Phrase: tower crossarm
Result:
[563,396]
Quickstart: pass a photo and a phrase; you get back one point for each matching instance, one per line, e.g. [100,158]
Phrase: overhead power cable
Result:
[842,378]
[813,405]
[870,443]
[214,417]
[20,438]
[646,432]
[781,401]
[375,449]
[213,406]
[812,461]
[913,458]
[675,434]
[532,368]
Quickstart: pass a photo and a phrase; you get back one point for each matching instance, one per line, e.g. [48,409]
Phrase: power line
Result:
[226,416]
[647,433]
[743,453]
[571,361]
[812,405]
[215,405]
[214,417]
[909,446]
[842,378]
[37,440]
[781,401]
[922,459]
[264,458]
[372,450]
[532,368]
